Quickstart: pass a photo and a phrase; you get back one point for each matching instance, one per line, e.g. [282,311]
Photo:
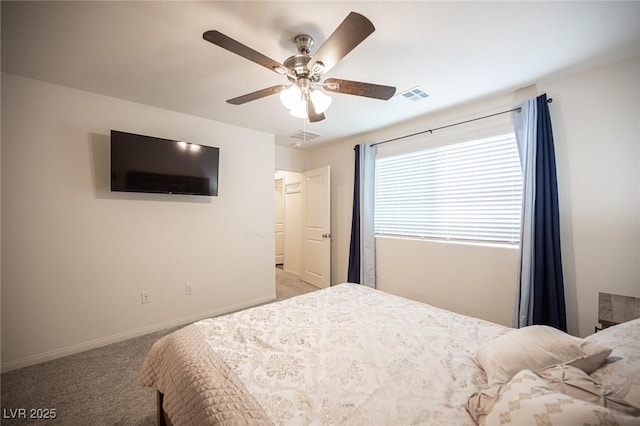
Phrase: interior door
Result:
[279,198]
[316,227]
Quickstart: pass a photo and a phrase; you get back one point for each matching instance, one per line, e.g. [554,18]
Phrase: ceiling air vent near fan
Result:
[304,135]
[416,94]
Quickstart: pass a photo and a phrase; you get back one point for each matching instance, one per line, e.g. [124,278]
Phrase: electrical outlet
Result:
[146,297]
[188,289]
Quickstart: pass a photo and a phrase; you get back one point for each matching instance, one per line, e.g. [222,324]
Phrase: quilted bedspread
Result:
[198,387]
[343,355]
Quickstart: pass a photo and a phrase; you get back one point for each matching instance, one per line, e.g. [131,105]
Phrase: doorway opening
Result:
[303,224]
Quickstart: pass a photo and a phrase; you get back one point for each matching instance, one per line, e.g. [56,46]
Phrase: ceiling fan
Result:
[305,72]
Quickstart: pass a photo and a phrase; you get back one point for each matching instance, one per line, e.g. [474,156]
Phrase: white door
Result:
[279,221]
[316,227]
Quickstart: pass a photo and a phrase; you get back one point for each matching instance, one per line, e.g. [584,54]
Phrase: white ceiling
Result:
[152,52]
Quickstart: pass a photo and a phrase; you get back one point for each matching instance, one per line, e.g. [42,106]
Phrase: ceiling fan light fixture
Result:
[291,97]
[294,100]
[317,68]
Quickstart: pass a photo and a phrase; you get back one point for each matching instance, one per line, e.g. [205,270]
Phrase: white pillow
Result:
[536,347]
[577,384]
[528,400]
[564,379]
[621,372]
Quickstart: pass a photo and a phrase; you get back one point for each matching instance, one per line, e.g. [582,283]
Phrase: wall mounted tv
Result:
[148,164]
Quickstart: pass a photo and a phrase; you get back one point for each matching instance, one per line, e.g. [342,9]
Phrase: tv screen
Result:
[148,164]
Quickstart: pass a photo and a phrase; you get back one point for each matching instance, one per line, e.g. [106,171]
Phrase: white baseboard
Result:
[115,338]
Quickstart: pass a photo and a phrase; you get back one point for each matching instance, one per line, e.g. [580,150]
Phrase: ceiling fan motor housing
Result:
[299,63]
[304,43]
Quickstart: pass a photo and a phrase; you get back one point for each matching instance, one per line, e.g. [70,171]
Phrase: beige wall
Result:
[291,159]
[596,119]
[597,131]
[75,257]
[471,279]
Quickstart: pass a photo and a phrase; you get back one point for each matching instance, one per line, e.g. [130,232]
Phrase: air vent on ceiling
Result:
[416,94]
[304,135]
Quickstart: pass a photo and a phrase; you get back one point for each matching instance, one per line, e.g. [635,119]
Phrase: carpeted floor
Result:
[289,285]
[98,387]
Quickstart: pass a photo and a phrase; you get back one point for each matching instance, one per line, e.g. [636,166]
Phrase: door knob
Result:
[326,235]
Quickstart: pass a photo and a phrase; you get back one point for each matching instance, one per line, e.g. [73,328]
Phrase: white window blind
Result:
[468,191]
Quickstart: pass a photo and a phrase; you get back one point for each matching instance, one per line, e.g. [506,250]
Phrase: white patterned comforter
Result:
[353,355]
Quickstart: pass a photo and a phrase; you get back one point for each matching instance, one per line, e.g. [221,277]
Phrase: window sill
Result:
[490,244]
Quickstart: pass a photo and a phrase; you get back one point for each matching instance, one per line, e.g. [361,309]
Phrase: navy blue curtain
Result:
[548,286]
[353,273]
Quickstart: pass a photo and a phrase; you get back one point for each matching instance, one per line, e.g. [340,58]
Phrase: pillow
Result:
[621,372]
[564,379]
[577,384]
[528,400]
[481,403]
[536,347]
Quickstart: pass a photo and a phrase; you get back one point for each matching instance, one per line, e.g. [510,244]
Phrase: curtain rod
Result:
[451,125]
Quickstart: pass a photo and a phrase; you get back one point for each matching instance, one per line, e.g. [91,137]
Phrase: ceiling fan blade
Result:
[350,33]
[311,112]
[357,88]
[226,42]
[257,95]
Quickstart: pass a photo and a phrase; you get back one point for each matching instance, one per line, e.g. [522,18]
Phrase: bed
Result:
[349,354]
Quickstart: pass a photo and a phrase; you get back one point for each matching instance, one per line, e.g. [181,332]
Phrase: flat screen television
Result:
[149,164]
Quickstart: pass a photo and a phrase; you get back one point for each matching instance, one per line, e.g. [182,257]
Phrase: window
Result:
[469,191]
